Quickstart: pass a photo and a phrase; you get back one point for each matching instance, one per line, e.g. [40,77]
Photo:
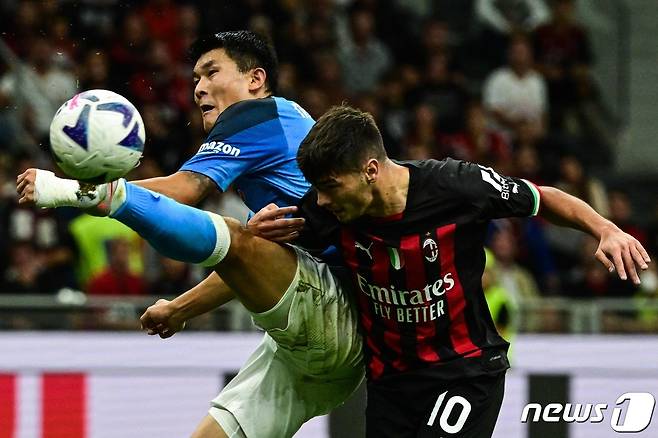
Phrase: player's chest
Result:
[406,249]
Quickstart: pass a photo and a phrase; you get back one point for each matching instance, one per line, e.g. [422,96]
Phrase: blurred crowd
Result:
[505,83]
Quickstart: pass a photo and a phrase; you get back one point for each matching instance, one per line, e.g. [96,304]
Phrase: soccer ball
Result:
[97,136]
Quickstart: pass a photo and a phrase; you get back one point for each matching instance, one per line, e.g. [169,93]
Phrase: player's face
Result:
[347,196]
[218,84]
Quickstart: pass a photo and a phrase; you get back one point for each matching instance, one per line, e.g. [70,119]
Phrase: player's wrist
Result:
[606,227]
[52,191]
[179,309]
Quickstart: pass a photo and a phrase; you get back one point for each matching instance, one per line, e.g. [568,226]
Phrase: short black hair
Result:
[248,49]
[340,142]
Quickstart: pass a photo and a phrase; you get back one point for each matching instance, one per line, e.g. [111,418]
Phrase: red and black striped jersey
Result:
[418,275]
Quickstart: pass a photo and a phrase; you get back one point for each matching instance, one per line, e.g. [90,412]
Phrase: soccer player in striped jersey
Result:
[412,234]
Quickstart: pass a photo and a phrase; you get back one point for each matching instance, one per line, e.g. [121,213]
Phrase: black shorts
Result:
[415,406]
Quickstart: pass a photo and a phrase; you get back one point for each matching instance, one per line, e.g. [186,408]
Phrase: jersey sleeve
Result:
[247,137]
[493,195]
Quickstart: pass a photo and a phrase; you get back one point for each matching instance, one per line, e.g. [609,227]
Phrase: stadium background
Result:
[424,69]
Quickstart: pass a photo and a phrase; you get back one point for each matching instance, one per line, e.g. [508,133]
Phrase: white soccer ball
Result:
[97,136]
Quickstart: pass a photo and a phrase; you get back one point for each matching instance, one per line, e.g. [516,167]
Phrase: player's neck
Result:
[259,94]
[390,192]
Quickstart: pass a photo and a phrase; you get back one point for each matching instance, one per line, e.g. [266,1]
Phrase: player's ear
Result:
[257,80]
[372,170]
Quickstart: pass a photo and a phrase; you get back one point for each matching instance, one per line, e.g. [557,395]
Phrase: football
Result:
[97,136]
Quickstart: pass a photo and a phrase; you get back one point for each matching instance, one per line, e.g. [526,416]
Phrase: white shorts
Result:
[309,362]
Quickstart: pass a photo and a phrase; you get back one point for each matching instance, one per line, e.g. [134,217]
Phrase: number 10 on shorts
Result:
[447,410]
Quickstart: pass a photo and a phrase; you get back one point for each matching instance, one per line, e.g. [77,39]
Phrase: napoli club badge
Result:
[430,250]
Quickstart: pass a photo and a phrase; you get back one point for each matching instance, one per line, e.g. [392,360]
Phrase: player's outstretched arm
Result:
[43,188]
[165,318]
[186,187]
[617,249]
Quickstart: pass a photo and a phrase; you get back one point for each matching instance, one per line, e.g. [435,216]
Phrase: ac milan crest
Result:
[430,250]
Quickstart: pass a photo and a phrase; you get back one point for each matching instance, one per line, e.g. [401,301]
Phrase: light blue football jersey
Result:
[253,146]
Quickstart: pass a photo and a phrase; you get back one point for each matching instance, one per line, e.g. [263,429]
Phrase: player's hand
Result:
[26,186]
[622,252]
[271,223]
[160,319]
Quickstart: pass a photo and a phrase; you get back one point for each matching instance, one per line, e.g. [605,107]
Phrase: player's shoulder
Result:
[296,117]
[445,173]
[447,167]
[244,115]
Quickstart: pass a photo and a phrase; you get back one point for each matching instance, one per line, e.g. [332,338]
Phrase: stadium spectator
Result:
[127,49]
[564,58]
[91,235]
[478,142]
[501,19]
[22,24]
[48,236]
[161,82]
[510,16]
[363,57]
[422,139]
[391,14]
[371,103]
[516,93]
[328,73]
[515,279]
[94,72]
[315,100]
[502,307]
[116,278]
[10,111]
[162,142]
[566,243]
[621,211]
[575,181]
[288,81]
[527,164]
[46,86]
[92,21]
[162,19]
[174,277]
[587,279]
[394,113]
[64,43]
[435,39]
[189,25]
[442,91]
[21,276]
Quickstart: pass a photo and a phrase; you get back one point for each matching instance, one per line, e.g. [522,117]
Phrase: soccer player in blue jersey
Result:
[252,143]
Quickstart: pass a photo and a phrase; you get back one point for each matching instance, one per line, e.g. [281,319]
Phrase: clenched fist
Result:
[161,319]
